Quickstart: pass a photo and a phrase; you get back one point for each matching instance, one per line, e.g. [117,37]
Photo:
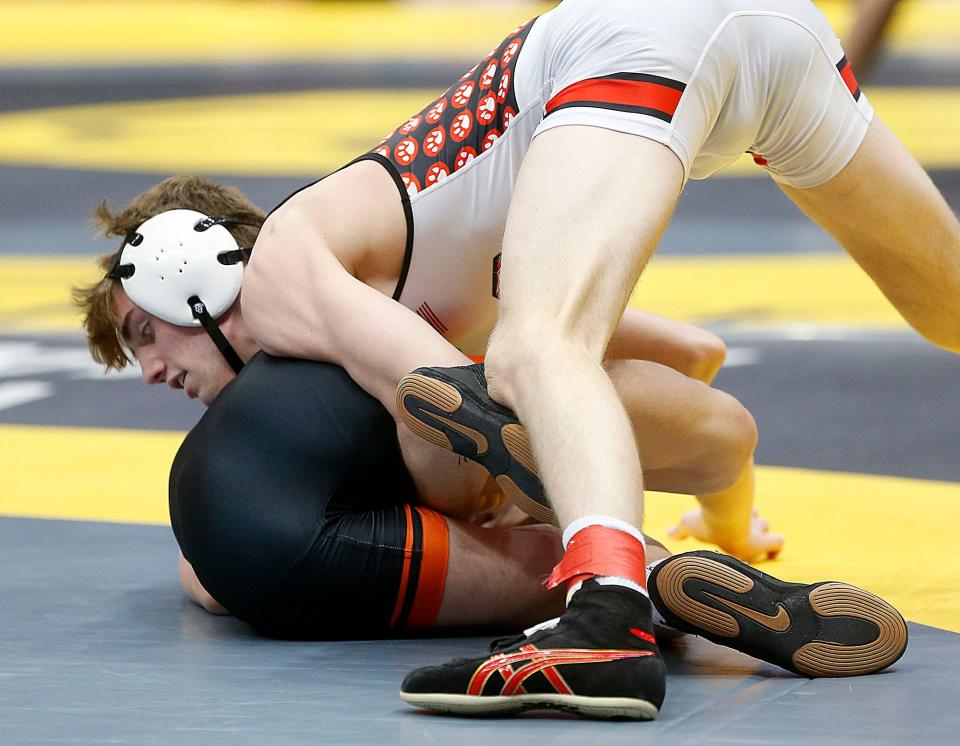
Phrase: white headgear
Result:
[184,267]
[178,255]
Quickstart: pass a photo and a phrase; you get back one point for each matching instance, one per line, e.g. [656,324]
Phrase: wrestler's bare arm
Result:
[890,217]
[688,349]
[300,300]
[865,34]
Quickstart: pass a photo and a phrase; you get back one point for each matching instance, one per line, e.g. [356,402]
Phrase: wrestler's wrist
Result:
[726,527]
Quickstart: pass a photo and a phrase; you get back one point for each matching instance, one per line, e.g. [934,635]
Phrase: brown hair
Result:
[95,301]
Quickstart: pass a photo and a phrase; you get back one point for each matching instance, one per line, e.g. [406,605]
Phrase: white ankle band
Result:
[602,520]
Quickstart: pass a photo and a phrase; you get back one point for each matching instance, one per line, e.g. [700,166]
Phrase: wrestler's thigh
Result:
[495,576]
[589,206]
[887,213]
[692,438]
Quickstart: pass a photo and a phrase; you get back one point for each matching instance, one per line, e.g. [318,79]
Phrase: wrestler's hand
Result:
[756,543]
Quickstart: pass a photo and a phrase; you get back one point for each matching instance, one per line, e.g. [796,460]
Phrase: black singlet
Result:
[291,501]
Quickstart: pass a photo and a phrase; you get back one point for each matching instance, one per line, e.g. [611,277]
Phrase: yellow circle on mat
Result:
[890,535]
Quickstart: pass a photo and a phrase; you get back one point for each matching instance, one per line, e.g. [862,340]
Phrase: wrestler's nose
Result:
[153,369]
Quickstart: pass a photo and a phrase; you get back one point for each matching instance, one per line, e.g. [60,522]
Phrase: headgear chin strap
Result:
[184,267]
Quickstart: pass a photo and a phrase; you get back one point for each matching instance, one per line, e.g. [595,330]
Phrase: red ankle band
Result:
[599,550]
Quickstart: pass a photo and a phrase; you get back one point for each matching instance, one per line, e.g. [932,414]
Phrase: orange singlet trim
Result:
[405,573]
[624,92]
[849,78]
[433,569]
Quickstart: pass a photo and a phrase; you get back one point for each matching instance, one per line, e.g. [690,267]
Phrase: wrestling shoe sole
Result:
[819,630]
[591,707]
[489,436]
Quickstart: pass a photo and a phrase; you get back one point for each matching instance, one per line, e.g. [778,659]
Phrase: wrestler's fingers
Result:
[678,531]
[774,544]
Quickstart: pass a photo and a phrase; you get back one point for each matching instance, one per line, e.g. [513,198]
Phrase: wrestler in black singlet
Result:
[290,499]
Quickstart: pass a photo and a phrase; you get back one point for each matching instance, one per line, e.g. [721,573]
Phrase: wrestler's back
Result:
[285,445]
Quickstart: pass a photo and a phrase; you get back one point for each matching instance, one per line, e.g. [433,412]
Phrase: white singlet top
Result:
[710,80]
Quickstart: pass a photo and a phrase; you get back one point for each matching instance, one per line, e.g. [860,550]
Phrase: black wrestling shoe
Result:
[823,629]
[599,661]
[451,408]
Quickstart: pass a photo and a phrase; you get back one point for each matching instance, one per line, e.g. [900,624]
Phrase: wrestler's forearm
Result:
[685,348]
[863,39]
[727,513]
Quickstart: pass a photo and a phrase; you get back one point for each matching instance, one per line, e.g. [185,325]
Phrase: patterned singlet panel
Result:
[464,122]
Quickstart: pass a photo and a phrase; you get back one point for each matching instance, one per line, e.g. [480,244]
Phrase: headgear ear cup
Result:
[173,261]
[184,267]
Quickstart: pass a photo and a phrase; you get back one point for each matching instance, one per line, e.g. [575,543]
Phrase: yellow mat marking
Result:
[746,290]
[297,134]
[310,134]
[35,291]
[890,535]
[86,474]
[109,33]
[106,32]
[893,536]
[822,289]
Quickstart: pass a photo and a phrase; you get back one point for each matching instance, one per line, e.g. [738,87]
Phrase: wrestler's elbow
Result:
[196,592]
[705,355]
[941,332]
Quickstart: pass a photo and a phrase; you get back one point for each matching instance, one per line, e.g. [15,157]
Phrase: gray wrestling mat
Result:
[103,648]
[99,645]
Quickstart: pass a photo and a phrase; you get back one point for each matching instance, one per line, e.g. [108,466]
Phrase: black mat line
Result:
[47,211]
[36,87]
[31,88]
[882,404]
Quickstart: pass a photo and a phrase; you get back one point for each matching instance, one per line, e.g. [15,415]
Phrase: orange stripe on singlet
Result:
[849,79]
[405,573]
[433,569]
[652,94]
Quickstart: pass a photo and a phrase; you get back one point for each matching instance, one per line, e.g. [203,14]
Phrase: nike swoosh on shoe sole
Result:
[505,442]
[779,622]
[822,629]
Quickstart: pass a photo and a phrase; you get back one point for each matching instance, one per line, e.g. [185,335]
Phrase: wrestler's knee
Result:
[520,356]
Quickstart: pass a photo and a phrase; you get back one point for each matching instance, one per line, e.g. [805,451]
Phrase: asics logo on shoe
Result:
[779,622]
[476,437]
[531,660]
